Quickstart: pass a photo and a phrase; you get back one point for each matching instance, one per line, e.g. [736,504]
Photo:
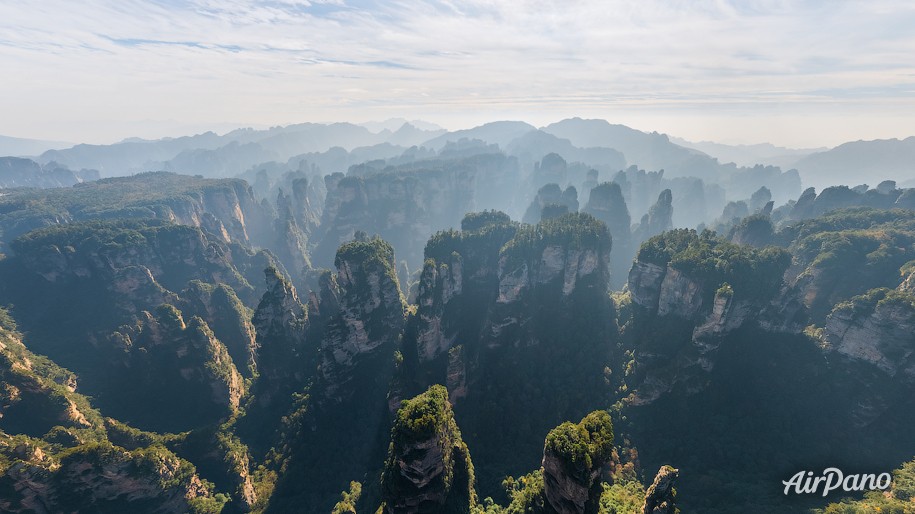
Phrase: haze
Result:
[797,74]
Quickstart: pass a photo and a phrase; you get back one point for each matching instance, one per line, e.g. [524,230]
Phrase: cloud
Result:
[283,61]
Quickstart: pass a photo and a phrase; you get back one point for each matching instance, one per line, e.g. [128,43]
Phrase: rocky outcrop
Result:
[225,208]
[658,219]
[665,290]
[661,497]
[227,316]
[456,378]
[548,199]
[552,168]
[876,329]
[438,284]
[370,312]
[402,207]
[132,259]
[645,279]
[675,278]
[573,456]
[291,243]
[680,295]
[545,257]
[179,366]
[280,322]
[428,469]
[607,204]
[104,478]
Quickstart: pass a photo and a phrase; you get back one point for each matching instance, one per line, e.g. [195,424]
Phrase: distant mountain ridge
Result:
[749,155]
[860,162]
[22,147]
[216,155]
[18,172]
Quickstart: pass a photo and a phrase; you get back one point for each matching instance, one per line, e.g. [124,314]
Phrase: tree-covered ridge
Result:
[574,231]
[846,253]
[713,261]
[115,197]
[50,435]
[36,395]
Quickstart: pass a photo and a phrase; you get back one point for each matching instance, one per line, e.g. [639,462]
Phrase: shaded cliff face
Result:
[224,208]
[282,356]
[678,286]
[178,373]
[369,313]
[35,394]
[428,469]
[228,318]
[870,336]
[54,450]
[607,204]
[403,208]
[130,268]
[500,316]
[661,497]
[794,353]
[104,478]
[351,336]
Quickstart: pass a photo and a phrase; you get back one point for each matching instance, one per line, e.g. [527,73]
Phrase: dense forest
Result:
[582,318]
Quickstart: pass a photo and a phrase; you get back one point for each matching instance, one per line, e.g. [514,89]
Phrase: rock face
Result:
[549,198]
[104,478]
[131,268]
[497,293]
[658,219]
[403,208]
[661,496]
[280,321]
[665,290]
[35,398]
[225,208]
[428,469]
[438,284]
[291,244]
[645,279]
[183,373]
[607,204]
[876,329]
[227,316]
[369,316]
[669,281]
[572,459]
[545,257]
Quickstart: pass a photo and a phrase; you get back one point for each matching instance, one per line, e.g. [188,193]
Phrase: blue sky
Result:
[796,73]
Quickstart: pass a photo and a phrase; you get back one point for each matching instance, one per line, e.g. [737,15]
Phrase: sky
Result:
[791,72]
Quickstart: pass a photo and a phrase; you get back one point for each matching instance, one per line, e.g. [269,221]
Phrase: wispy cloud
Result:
[83,64]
